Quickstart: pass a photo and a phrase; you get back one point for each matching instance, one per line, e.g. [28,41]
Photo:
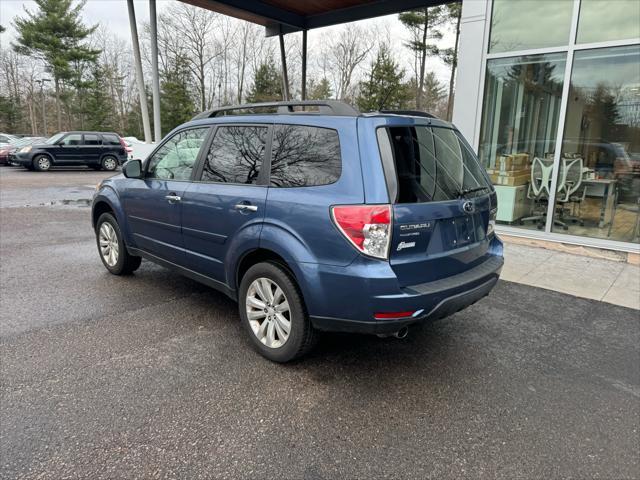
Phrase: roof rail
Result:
[413,113]
[327,107]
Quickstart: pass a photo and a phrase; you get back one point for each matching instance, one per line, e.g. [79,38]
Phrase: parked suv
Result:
[314,219]
[98,150]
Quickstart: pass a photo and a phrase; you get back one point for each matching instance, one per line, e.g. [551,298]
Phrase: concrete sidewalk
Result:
[596,278]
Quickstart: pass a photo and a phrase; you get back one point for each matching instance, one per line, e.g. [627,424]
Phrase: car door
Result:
[91,148]
[225,207]
[153,204]
[67,150]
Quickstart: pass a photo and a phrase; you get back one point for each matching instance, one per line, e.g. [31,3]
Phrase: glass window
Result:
[519,128]
[72,139]
[605,20]
[431,164]
[525,24]
[236,155]
[111,139]
[54,139]
[598,187]
[92,139]
[175,159]
[304,156]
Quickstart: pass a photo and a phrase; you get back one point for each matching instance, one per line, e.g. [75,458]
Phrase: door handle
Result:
[173,198]
[246,208]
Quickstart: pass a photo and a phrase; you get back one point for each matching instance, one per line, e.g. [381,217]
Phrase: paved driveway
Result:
[151,377]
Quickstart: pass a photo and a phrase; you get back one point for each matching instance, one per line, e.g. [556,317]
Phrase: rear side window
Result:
[304,156]
[111,140]
[431,164]
[92,139]
[236,155]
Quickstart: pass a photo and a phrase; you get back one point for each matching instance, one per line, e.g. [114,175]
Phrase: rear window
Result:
[304,156]
[429,165]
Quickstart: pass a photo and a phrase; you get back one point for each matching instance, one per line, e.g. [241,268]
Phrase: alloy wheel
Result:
[44,163]
[109,164]
[268,312]
[109,248]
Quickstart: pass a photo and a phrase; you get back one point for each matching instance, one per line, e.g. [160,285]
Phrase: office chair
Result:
[538,191]
[570,190]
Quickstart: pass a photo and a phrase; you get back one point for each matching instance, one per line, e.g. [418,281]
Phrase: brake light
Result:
[367,227]
[492,221]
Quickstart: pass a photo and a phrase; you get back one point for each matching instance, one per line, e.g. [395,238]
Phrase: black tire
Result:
[302,335]
[109,163]
[42,163]
[126,263]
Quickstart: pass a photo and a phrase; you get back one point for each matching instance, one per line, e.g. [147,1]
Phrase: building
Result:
[548,94]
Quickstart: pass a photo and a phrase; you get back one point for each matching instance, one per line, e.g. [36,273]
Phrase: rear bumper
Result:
[360,297]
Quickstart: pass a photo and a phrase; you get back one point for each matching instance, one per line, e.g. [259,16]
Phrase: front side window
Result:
[176,158]
[71,140]
[304,156]
[236,155]
[91,139]
[431,164]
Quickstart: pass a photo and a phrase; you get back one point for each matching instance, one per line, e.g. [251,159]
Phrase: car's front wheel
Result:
[109,163]
[42,163]
[273,313]
[112,249]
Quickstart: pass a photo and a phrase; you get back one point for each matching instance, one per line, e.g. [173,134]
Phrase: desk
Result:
[605,189]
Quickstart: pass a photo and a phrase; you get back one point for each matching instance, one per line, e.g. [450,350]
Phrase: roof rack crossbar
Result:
[327,107]
[413,113]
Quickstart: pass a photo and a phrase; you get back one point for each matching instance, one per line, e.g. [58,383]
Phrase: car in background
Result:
[97,150]
[138,148]
[8,151]
[6,139]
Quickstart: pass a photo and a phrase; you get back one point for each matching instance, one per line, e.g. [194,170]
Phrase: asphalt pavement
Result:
[151,376]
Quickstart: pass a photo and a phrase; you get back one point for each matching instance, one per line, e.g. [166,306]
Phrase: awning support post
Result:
[304,65]
[285,76]
[139,78]
[155,80]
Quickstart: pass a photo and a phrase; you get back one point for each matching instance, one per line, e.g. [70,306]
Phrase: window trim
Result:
[261,180]
[168,138]
[309,126]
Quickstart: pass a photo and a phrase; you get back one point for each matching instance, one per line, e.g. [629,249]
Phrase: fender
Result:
[109,195]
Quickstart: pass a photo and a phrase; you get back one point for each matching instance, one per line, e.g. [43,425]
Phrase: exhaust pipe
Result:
[402,333]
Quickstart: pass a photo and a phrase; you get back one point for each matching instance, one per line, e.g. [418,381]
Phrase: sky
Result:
[113,14]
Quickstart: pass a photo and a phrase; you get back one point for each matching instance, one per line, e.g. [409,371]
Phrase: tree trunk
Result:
[58,110]
[423,60]
[454,66]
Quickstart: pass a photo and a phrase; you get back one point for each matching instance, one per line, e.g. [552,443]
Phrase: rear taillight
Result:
[367,227]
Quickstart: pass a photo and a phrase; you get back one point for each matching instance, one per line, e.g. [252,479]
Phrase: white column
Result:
[471,59]
[139,78]
[155,80]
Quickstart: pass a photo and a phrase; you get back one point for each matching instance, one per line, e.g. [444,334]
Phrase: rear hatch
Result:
[441,199]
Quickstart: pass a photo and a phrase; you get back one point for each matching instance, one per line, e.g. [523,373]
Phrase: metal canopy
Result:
[286,16]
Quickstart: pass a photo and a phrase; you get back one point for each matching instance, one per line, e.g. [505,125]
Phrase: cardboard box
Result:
[511,180]
[515,161]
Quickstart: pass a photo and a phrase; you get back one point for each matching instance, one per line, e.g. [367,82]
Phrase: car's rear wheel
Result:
[112,249]
[109,163]
[42,163]
[273,313]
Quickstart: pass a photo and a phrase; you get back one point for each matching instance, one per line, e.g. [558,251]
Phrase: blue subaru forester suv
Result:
[312,216]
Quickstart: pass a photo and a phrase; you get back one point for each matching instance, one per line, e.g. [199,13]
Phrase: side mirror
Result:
[132,169]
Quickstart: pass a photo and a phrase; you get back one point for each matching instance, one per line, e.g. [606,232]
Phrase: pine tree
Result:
[176,103]
[267,84]
[98,104]
[54,33]
[384,88]
[320,90]
[424,24]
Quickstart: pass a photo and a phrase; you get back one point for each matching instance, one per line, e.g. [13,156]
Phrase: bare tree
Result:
[344,55]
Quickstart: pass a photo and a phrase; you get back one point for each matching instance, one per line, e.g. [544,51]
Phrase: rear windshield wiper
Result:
[467,191]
